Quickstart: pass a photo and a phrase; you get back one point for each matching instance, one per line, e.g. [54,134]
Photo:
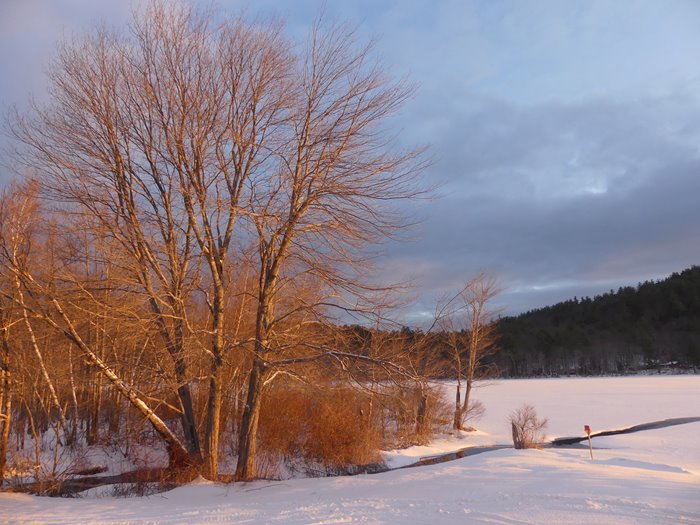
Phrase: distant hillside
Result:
[652,325]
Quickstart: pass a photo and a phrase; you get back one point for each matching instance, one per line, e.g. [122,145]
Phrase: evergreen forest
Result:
[653,326]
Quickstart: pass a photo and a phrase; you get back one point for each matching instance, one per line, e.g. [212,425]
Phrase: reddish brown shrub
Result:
[321,431]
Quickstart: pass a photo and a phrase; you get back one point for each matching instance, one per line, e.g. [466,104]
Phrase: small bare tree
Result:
[470,328]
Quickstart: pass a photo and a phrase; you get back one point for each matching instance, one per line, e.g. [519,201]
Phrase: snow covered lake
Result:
[647,477]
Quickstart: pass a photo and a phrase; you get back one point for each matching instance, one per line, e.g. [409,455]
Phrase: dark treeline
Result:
[655,325]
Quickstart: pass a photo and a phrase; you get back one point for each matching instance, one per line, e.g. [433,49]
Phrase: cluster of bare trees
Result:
[203,195]
[200,201]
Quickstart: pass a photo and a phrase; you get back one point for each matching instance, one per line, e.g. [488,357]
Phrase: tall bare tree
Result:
[5,391]
[155,134]
[83,147]
[8,318]
[330,196]
[225,102]
[191,136]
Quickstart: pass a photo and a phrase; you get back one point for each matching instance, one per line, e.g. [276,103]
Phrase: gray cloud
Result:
[565,135]
[561,199]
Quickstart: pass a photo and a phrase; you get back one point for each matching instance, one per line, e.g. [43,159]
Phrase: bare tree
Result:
[5,395]
[226,110]
[154,134]
[527,428]
[329,196]
[83,150]
[189,137]
[7,320]
[469,326]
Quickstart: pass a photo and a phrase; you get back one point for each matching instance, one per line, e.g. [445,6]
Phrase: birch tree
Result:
[52,308]
[8,319]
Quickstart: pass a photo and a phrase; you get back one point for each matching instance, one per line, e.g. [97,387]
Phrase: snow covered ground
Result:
[648,477]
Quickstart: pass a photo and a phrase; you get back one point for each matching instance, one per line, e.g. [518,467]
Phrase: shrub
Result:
[412,413]
[317,431]
[527,428]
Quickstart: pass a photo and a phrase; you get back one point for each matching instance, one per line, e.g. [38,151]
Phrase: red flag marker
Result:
[587,429]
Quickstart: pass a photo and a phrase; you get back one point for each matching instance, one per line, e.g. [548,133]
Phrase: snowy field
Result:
[648,477]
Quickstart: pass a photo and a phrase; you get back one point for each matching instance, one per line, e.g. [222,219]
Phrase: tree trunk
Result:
[74,398]
[5,403]
[457,421]
[517,438]
[187,418]
[5,420]
[211,435]
[247,443]
[175,347]
[422,411]
[467,396]
[94,414]
[471,372]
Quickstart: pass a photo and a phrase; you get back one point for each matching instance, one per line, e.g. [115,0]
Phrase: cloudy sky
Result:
[565,135]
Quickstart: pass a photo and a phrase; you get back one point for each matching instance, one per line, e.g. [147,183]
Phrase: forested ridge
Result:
[655,325]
